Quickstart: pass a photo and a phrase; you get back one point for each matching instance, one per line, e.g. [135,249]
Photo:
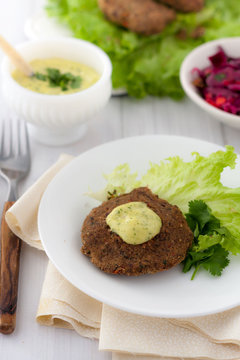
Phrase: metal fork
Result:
[14,158]
[14,165]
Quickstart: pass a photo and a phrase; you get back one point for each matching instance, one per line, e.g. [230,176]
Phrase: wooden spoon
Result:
[15,57]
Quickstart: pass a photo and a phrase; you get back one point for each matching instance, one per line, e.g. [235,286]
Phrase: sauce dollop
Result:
[88,76]
[134,222]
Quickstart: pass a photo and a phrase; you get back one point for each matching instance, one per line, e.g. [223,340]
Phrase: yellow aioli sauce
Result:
[88,75]
[134,222]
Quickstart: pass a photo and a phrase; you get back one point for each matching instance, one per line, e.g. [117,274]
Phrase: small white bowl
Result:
[198,58]
[59,119]
[41,26]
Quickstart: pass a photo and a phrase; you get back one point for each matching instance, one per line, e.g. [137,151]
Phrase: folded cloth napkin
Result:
[129,336]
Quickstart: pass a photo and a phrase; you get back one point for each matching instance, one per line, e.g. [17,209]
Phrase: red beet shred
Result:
[219,83]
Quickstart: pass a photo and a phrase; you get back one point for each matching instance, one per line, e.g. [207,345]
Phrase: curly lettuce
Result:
[148,65]
[180,182]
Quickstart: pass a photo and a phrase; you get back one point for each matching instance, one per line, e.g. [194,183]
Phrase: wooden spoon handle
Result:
[15,57]
[10,256]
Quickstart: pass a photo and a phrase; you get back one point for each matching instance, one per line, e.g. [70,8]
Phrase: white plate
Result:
[64,207]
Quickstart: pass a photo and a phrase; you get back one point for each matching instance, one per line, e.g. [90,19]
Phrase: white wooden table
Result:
[122,117]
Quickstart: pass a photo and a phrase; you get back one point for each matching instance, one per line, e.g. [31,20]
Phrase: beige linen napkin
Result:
[121,331]
[63,305]
[209,337]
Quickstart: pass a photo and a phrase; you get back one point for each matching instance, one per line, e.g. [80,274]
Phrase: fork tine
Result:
[27,138]
[17,157]
[2,139]
[18,137]
[27,155]
[11,146]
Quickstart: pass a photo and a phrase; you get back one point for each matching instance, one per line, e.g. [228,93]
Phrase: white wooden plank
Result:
[232,137]
[186,119]
[137,116]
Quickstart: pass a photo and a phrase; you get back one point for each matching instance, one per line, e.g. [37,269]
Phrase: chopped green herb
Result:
[220,77]
[111,195]
[209,250]
[40,76]
[58,79]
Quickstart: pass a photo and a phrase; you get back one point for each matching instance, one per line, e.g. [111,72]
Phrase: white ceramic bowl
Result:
[41,26]
[58,119]
[199,58]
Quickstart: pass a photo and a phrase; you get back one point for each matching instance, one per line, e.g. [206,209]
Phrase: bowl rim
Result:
[106,74]
[189,88]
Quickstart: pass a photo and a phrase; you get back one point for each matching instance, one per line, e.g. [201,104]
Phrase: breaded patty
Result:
[111,254]
[142,16]
[185,5]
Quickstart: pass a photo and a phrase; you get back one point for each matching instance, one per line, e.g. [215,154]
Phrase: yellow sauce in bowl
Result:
[88,76]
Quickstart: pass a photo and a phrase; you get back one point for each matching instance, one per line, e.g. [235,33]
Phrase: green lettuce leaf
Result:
[147,64]
[121,180]
[179,182]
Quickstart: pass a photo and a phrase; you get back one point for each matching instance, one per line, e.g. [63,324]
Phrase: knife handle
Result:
[10,256]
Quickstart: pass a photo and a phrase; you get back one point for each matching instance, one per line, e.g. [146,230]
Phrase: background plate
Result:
[64,206]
